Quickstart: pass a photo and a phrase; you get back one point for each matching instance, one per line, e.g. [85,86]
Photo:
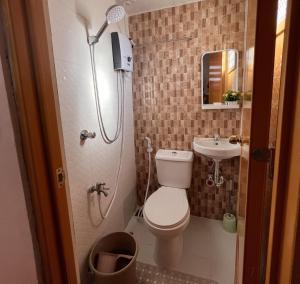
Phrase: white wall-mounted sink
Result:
[218,150]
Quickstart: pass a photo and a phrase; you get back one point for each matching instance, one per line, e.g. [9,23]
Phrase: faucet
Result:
[216,138]
[99,188]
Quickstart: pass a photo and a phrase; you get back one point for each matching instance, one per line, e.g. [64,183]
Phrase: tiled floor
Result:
[209,251]
[150,274]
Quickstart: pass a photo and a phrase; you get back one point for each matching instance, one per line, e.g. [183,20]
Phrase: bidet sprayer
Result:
[149,145]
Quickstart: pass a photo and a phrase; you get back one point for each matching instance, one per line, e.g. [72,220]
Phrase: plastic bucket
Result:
[118,243]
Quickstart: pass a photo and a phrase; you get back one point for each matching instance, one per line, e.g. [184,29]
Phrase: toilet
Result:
[166,211]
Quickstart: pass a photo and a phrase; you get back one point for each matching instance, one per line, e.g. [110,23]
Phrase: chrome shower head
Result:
[114,14]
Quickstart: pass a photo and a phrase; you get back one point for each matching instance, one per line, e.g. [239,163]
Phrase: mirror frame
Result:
[222,105]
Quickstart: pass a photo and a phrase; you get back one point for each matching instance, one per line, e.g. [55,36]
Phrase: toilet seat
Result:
[167,207]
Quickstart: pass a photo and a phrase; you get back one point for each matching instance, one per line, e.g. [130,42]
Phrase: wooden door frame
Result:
[32,67]
[255,249]
[28,48]
[284,214]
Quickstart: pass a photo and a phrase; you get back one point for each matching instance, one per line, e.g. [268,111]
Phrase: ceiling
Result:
[134,7]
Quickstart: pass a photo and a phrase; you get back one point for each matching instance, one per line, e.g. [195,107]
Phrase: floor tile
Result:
[150,274]
[209,251]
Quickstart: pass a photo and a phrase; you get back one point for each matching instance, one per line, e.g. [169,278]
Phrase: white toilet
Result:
[166,211]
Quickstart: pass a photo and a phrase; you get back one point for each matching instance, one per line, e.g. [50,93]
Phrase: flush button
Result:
[174,153]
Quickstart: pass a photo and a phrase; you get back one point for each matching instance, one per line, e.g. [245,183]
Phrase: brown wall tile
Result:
[166,90]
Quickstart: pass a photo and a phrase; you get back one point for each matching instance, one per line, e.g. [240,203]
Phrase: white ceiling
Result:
[134,7]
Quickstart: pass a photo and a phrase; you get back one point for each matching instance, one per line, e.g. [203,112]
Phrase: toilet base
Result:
[168,252]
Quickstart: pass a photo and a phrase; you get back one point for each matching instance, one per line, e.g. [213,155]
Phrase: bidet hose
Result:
[148,185]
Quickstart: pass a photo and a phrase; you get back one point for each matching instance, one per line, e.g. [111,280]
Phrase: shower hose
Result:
[119,128]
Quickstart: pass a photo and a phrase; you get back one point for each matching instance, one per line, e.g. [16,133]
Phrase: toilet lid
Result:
[167,207]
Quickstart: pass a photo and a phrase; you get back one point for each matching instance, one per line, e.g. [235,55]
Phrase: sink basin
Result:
[219,150]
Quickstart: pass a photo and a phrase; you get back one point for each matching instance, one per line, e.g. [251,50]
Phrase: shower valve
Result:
[84,134]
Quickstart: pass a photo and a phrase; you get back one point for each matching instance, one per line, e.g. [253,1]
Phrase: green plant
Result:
[231,96]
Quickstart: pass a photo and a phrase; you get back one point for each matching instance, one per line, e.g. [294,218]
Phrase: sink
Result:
[217,150]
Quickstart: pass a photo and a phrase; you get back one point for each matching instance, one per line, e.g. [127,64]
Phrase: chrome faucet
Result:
[84,134]
[99,188]
[216,138]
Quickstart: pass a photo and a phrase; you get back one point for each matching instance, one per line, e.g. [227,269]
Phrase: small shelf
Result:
[220,106]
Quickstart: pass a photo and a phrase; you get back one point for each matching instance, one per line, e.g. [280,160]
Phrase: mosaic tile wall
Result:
[166,90]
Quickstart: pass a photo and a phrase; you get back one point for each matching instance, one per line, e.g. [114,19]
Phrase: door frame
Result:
[30,77]
[255,227]
[284,251]
[32,67]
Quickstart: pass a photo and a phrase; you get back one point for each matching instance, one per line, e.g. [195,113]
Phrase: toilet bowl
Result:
[166,212]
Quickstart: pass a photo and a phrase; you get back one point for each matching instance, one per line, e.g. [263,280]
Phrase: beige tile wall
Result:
[166,90]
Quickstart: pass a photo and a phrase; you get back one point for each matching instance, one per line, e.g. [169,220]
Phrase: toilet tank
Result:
[174,168]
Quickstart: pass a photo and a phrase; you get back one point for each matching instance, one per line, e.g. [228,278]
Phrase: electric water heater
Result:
[122,52]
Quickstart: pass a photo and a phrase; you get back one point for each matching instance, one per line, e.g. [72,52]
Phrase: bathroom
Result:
[153,103]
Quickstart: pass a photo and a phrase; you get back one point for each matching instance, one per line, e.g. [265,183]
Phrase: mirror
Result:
[219,72]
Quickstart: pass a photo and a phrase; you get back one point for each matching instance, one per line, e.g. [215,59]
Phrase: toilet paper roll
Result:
[229,223]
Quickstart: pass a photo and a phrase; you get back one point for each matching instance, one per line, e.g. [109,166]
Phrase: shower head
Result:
[114,14]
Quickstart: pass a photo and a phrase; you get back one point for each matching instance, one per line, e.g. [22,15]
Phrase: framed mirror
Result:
[219,75]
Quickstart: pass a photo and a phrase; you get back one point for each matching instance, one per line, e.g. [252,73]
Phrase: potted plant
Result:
[232,97]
